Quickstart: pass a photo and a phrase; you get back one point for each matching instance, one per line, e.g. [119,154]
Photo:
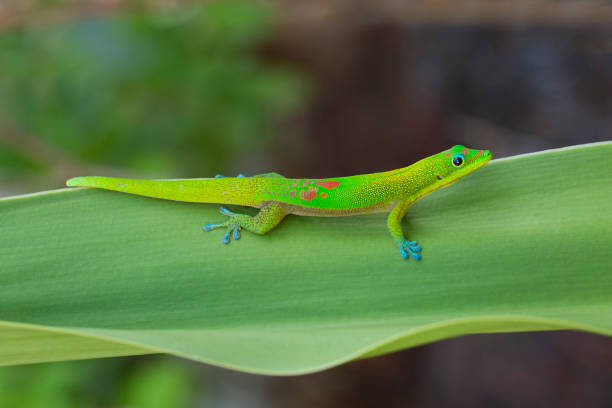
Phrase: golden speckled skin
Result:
[278,196]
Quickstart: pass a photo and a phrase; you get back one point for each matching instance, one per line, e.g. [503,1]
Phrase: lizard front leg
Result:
[268,217]
[394,222]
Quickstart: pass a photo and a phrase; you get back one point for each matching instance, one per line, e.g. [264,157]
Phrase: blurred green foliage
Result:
[152,382]
[160,382]
[176,94]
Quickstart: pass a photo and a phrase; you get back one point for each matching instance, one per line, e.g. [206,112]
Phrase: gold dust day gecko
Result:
[276,196]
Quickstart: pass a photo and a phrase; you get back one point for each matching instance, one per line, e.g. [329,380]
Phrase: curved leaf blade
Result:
[522,244]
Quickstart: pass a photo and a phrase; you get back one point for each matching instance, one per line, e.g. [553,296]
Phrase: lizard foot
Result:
[408,248]
[222,176]
[233,226]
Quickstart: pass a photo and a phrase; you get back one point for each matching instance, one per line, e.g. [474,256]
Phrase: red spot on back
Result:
[323,195]
[329,184]
[292,193]
[308,195]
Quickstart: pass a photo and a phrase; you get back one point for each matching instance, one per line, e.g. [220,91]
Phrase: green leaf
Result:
[521,244]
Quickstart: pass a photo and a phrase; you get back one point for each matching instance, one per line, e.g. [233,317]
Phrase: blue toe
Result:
[412,246]
[404,253]
[219,176]
[414,254]
[225,211]
[236,234]
[226,237]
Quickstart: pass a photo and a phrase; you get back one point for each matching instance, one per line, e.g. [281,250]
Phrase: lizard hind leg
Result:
[268,217]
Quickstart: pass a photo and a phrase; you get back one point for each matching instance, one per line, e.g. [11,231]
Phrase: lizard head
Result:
[458,161]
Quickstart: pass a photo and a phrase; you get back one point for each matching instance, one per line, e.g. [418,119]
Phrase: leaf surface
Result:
[522,244]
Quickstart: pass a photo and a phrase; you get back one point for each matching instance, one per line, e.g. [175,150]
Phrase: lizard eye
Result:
[458,160]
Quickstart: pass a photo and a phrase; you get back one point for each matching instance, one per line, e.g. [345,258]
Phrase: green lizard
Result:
[277,196]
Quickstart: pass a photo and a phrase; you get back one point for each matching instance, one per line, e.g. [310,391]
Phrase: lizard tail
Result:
[230,190]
